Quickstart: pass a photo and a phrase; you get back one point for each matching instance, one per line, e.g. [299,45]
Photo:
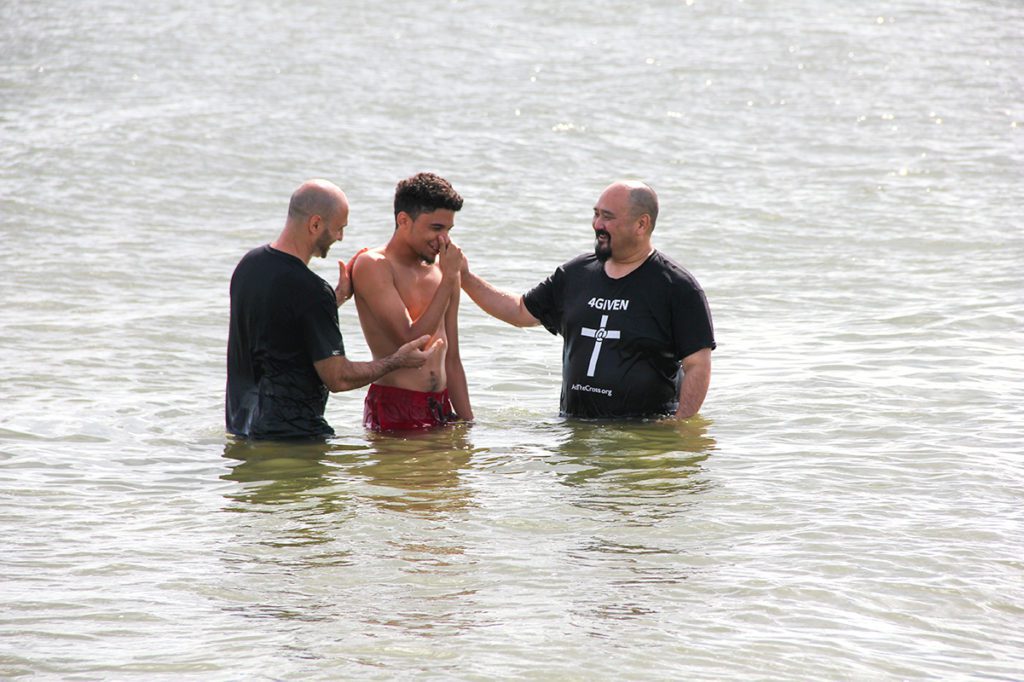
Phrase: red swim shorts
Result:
[388,408]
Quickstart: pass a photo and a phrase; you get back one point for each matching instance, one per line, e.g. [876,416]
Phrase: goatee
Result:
[603,251]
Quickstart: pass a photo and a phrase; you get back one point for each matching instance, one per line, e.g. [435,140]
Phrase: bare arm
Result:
[696,379]
[378,291]
[341,374]
[496,303]
[458,389]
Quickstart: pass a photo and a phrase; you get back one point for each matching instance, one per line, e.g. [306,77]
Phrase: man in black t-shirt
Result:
[636,328]
[285,351]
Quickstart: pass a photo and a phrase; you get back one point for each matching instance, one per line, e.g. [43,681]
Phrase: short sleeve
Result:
[318,323]
[544,301]
[691,322]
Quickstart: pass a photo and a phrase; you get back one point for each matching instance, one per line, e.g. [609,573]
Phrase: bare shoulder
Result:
[372,263]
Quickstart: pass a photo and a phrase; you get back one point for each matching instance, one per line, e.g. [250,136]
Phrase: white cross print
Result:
[599,335]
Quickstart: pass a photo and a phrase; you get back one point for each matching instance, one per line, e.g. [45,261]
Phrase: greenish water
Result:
[844,181]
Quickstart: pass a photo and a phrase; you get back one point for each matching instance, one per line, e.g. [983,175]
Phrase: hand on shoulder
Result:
[367,265]
[346,284]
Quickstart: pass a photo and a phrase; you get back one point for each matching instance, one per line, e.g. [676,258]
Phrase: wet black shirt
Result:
[623,338]
[283,319]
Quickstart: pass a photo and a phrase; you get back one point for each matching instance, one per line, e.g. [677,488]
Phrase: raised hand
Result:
[346,287]
[450,259]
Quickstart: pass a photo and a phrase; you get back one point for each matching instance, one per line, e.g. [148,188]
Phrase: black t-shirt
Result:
[623,338]
[283,319]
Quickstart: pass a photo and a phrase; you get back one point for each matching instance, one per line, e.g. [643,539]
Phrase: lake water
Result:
[846,181]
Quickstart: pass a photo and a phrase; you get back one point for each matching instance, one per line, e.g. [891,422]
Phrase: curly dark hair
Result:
[423,193]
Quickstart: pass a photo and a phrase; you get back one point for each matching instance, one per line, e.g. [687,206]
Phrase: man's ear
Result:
[313,223]
[403,219]
[643,223]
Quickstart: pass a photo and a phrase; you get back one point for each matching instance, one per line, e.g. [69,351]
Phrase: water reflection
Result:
[413,472]
[420,476]
[630,475]
[420,472]
[320,527]
[277,473]
[635,461]
[306,491]
[294,496]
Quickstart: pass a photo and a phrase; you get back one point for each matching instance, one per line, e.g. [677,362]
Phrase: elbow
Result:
[338,374]
[339,382]
[522,317]
[336,385]
[342,386]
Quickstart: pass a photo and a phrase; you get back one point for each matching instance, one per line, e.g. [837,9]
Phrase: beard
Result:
[323,244]
[602,251]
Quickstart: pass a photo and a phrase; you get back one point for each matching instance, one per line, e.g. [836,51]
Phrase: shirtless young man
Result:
[405,289]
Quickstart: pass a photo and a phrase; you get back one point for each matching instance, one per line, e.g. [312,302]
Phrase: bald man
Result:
[636,328]
[285,351]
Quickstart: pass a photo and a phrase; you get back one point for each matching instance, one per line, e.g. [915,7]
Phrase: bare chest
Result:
[417,287]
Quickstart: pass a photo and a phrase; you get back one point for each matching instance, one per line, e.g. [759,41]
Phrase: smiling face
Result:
[425,207]
[615,228]
[428,232]
[332,229]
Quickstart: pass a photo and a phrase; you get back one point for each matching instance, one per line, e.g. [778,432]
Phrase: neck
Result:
[286,243]
[399,249]
[620,267]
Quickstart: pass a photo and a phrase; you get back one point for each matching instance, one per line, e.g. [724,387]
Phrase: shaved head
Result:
[316,197]
[642,199]
[317,217]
